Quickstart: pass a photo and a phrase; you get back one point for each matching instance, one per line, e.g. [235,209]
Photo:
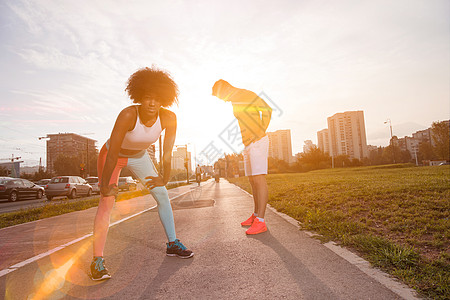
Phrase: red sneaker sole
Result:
[261,231]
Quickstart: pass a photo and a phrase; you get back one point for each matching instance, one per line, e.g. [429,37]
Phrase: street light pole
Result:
[87,158]
[391,141]
[187,166]
[46,160]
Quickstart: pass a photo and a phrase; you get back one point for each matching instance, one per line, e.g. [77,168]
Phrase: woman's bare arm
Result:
[169,141]
[124,123]
[170,123]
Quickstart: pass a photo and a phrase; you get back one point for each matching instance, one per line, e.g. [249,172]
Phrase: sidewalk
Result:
[281,263]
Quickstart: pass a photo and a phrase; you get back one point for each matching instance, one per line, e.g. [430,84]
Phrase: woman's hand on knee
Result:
[154,181]
[110,190]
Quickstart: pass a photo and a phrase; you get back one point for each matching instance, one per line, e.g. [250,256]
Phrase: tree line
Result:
[316,159]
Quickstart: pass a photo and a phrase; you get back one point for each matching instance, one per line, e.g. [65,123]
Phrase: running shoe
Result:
[98,269]
[257,227]
[249,221]
[176,248]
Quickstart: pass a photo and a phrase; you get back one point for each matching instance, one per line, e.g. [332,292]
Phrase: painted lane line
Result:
[47,253]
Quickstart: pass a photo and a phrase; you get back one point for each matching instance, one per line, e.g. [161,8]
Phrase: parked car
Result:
[43,182]
[14,189]
[127,184]
[69,186]
[93,181]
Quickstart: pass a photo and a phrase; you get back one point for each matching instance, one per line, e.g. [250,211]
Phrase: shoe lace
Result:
[99,265]
[179,244]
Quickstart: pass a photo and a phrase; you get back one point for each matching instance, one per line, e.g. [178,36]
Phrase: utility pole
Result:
[391,141]
[41,138]
[187,165]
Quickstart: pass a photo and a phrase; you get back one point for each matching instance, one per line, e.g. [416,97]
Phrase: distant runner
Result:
[198,174]
[137,127]
[253,115]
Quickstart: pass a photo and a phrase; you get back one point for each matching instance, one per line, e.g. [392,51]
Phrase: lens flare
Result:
[55,279]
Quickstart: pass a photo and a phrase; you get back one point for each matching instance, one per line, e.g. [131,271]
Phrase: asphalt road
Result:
[283,263]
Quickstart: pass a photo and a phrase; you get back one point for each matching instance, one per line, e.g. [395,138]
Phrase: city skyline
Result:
[67,64]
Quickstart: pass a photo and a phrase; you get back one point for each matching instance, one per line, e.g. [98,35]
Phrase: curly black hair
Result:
[152,81]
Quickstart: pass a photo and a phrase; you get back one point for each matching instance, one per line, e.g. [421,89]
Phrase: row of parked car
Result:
[14,189]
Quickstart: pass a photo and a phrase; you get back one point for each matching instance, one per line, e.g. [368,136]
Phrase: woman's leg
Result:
[106,204]
[143,167]
[101,223]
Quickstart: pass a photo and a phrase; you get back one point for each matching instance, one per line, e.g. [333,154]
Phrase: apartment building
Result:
[408,144]
[179,156]
[280,146]
[69,144]
[346,135]
[412,143]
[323,140]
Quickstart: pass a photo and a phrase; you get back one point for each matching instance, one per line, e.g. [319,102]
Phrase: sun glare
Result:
[55,278]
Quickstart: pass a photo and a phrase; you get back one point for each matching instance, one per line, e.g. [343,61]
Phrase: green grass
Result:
[56,209]
[397,216]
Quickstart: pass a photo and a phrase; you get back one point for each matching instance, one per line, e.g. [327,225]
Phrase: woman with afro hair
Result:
[136,128]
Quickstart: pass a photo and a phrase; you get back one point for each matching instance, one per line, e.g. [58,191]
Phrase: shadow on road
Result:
[311,286]
[168,267]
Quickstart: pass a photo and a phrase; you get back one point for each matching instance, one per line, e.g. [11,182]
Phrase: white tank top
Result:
[141,137]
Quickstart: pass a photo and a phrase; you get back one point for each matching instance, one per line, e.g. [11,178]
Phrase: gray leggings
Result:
[142,167]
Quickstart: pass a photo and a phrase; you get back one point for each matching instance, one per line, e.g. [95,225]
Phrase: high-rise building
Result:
[408,144]
[424,136]
[323,141]
[347,134]
[69,144]
[419,137]
[280,145]
[179,156]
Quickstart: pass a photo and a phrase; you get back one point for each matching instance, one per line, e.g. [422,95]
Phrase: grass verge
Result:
[396,217]
[56,209]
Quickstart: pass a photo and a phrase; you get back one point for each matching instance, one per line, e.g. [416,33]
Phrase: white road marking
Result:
[39,256]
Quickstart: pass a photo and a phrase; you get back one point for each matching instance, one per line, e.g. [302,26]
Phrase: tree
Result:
[4,171]
[41,174]
[376,157]
[67,165]
[341,161]
[277,166]
[425,151]
[314,159]
[232,163]
[441,139]
[93,165]
[400,156]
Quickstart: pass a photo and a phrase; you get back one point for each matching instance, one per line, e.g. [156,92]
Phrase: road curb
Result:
[383,278]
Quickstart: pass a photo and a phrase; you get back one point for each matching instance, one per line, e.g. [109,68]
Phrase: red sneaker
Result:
[249,221]
[257,227]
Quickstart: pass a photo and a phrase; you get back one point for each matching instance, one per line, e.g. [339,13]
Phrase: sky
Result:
[64,65]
